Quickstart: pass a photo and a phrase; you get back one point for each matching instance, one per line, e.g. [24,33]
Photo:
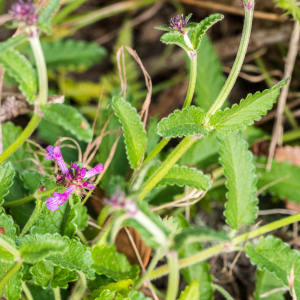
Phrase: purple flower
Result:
[25,14]
[75,179]
[118,201]
[178,23]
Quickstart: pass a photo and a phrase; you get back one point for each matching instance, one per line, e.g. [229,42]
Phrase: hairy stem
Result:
[57,294]
[249,7]
[173,282]
[227,246]
[26,291]
[156,150]
[15,268]
[192,83]
[4,244]
[80,287]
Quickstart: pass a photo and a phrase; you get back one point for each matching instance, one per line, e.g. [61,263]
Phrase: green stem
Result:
[237,64]
[156,150]
[26,291]
[33,217]
[222,291]
[173,282]
[207,253]
[4,244]
[22,138]
[192,83]
[15,268]
[167,164]
[65,218]
[57,294]
[82,237]
[41,68]
[30,197]
[80,287]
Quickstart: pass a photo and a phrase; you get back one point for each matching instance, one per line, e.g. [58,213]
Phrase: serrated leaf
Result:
[35,248]
[274,255]
[77,257]
[267,282]
[249,110]
[109,295]
[18,67]
[136,295]
[191,292]
[183,122]
[112,264]
[134,132]
[46,273]
[81,217]
[44,20]
[282,180]
[6,256]
[182,176]
[6,175]
[241,207]
[70,119]
[165,27]
[175,38]
[203,26]
[199,234]
[210,78]
[11,42]
[153,138]
[31,179]
[69,54]
[7,224]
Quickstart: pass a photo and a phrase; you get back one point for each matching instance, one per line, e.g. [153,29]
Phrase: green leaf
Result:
[11,42]
[76,257]
[136,295]
[134,132]
[6,256]
[175,38]
[70,119]
[282,180]
[274,255]
[38,292]
[109,295]
[44,20]
[197,235]
[7,224]
[241,207]
[6,175]
[165,27]
[182,176]
[249,110]
[191,292]
[81,217]
[31,179]
[112,264]
[69,54]
[201,29]
[266,282]
[18,67]
[183,122]
[210,78]
[46,273]
[35,248]
[153,138]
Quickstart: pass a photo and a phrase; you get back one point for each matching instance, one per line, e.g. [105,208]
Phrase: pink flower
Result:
[59,198]
[56,154]
[118,201]
[178,23]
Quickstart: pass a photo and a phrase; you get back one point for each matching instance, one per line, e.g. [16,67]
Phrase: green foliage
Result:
[291,6]
[266,282]
[241,207]
[153,138]
[136,295]
[177,38]
[35,248]
[183,122]
[11,42]
[31,180]
[71,55]
[70,119]
[274,255]
[210,78]
[191,292]
[249,110]
[112,264]
[18,67]
[203,26]
[182,176]
[134,132]
[282,180]
[6,256]
[6,175]
[46,15]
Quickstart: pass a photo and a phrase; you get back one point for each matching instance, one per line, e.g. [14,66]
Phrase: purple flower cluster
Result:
[178,23]
[118,201]
[24,13]
[75,179]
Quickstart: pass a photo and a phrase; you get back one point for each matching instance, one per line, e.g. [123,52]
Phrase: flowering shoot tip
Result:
[178,23]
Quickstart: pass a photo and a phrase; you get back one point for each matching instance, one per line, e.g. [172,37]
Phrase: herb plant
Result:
[43,207]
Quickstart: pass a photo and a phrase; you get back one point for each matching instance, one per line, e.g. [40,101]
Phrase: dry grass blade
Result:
[123,80]
[288,153]
[59,141]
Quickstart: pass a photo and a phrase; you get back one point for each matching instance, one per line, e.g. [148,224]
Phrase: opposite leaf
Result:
[176,38]
[191,292]
[181,123]
[18,67]
[203,26]
[134,132]
[6,175]
[241,207]
[249,110]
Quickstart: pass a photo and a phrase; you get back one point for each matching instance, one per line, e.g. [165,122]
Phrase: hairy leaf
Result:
[46,15]
[18,67]
[136,295]
[153,138]
[110,295]
[6,175]
[76,257]
[5,255]
[81,217]
[182,176]
[241,207]
[70,119]
[112,264]
[11,42]
[134,132]
[175,38]
[282,180]
[210,78]
[203,26]
[35,248]
[31,179]
[183,122]
[249,110]
[191,292]
[274,255]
